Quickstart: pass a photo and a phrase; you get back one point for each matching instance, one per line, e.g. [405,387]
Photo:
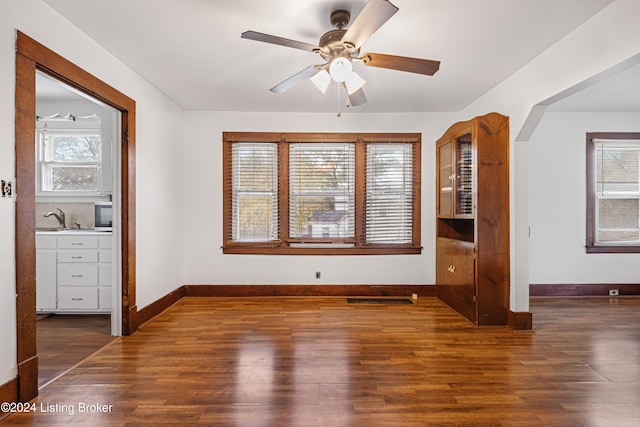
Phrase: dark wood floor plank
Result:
[66,339]
[323,362]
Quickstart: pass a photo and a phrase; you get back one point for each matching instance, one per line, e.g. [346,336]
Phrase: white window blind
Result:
[321,191]
[255,191]
[617,216]
[389,193]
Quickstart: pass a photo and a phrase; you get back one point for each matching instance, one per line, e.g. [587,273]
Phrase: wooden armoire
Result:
[472,214]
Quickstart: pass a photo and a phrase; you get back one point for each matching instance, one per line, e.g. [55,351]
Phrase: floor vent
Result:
[379,301]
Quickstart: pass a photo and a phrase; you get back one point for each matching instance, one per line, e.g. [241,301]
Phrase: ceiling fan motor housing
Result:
[331,43]
[340,18]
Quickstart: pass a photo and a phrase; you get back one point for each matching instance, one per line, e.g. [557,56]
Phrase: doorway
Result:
[76,168]
[31,57]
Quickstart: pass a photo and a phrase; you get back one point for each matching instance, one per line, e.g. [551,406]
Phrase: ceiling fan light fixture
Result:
[354,82]
[340,69]
[321,80]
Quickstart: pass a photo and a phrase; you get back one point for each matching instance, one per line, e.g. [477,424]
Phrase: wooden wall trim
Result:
[582,289]
[8,393]
[520,320]
[307,290]
[32,56]
[158,306]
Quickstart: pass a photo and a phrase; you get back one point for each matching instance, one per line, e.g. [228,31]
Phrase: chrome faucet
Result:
[59,216]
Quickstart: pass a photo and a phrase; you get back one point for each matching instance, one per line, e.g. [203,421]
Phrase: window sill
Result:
[321,251]
[611,249]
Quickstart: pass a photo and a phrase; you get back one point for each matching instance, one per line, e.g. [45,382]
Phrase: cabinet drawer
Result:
[77,256]
[46,242]
[78,242]
[77,298]
[77,275]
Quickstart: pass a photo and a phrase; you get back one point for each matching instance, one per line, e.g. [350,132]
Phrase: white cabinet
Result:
[73,272]
[105,276]
[46,267]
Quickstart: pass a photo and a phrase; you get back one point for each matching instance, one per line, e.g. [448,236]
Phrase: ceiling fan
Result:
[340,47]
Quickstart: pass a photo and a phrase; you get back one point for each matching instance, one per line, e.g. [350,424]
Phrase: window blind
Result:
[321,191]
[617,191]
[254,175]
[389,193]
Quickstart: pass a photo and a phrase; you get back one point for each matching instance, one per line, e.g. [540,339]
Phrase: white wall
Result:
[158,162]
[204,261]
[557,202]
[609,38]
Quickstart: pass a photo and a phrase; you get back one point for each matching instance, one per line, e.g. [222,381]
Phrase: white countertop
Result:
[74,232]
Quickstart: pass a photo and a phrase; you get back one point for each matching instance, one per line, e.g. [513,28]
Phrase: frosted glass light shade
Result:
[340,69]
[354,82]
[321,80]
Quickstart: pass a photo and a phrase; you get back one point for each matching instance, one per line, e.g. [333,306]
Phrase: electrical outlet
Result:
[318,274]
[5,188]
[613,292]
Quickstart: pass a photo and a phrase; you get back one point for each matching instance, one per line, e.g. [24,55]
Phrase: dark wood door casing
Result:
[32,56]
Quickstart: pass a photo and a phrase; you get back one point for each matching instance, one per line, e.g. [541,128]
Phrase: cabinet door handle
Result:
[451,269]
[77,299]
[77,275]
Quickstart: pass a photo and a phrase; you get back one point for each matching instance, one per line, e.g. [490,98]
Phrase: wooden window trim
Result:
[591,246]
[282,246]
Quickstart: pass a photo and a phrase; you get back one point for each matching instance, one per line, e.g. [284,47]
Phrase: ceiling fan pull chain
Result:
[339,113]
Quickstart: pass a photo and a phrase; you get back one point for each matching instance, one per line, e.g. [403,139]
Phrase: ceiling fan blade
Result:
[268,38]
[401,63]
[372,17]
[356,98]
[297,78]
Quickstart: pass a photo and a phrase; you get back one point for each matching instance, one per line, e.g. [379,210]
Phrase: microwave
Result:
[103,216]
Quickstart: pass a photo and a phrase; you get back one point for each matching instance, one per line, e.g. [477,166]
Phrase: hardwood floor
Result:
[323,362]
[64,340]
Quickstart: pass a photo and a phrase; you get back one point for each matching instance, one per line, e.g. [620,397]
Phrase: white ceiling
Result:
[191,50]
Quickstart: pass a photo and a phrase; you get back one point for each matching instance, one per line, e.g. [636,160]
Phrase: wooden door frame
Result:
[32,56]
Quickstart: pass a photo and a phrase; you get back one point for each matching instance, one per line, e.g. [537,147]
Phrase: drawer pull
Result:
[77,299]
[77,275]
[76,257]
[451,269]
[77,244]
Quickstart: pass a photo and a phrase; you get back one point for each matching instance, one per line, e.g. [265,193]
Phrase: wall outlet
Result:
[5,188]
[318,274]
[414,296]
[613,292]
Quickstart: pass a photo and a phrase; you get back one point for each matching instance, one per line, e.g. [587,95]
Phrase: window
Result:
[69,161]
[321,193]
[613,192]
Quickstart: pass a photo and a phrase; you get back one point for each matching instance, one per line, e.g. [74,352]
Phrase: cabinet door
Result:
[445,180]
[455,275]
[464,188]
[104,298]
[46,295]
